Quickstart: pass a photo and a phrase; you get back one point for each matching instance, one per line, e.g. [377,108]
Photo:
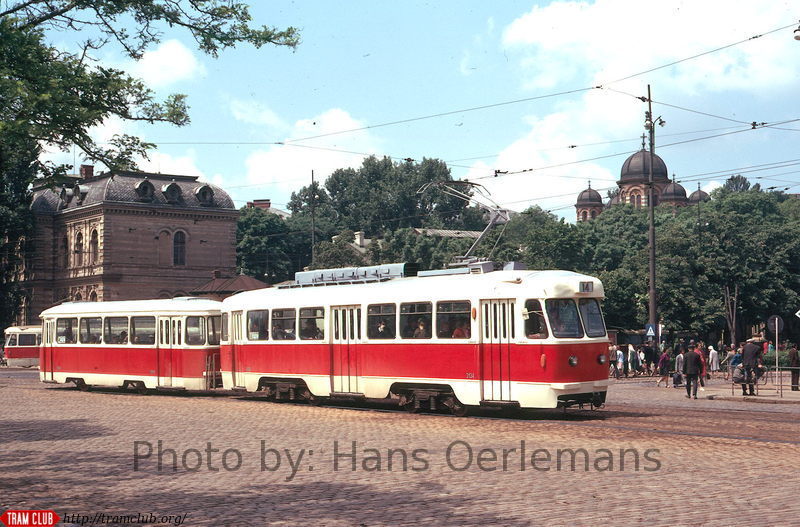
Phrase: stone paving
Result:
[703,462]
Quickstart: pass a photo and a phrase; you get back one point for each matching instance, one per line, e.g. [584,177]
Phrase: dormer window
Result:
[205,195]
[145,190]
[172,192]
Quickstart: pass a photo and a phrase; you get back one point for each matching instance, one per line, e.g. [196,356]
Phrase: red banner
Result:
[15,518]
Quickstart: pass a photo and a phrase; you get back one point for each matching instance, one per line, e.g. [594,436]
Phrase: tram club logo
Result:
[39,518]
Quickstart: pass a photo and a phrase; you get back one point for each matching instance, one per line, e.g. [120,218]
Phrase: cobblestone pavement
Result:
[701,462]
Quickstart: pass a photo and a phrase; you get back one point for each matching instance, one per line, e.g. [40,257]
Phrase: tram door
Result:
[169,340]
[497,332]
[46,349]
[346,333]
[237,363]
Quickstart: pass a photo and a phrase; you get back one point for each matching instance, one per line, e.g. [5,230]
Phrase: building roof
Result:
[636,169]
[153,190]
[229,285]
[699,195]
[446,233]
[589,197]
[674,192]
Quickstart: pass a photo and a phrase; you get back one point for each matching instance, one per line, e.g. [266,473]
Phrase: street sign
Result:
[650,330]
[797,314]
[775,320]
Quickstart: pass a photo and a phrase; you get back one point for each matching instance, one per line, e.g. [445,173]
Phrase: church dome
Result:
[636,169]
[589,197]
[699,195]
[673,192]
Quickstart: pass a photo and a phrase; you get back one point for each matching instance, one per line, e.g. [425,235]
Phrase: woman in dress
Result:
[663,367]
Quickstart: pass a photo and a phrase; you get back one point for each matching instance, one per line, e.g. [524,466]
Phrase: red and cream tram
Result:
[21,346]
[454,338]
[170,343]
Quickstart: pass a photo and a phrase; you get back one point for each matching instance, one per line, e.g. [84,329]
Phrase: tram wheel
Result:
[459,410]
[141,389]
[409,403]
[82,386]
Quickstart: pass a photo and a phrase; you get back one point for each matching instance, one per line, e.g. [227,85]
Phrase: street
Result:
[650,457]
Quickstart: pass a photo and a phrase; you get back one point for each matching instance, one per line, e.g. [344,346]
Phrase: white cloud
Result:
[182,165]
[169,63]
[281,169]
[253,112]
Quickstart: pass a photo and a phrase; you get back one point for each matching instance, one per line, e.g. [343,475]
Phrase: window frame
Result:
[418,315]
[452,315]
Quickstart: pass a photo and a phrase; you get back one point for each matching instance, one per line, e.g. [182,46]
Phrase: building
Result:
[126,236]
[266,205]
[633,185]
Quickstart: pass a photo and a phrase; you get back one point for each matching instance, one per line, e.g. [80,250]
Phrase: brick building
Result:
[125,236]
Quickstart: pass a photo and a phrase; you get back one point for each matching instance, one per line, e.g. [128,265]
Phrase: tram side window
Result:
[91,329]
[535,326]
[258,324]
[312,323]
[592,317]
[12,340]
[564,318]
[116,330]
[224,327]
[452,320]
[27,339]
[66,330]
[415,318]
[213,330]
[143,330]
[283,324]
[381,321]
[195,331]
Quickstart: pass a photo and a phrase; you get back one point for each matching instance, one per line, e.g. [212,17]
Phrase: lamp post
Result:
[649,124]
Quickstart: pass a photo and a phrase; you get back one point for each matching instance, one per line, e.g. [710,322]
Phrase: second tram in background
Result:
[21,346]
[454,338]
[143,344]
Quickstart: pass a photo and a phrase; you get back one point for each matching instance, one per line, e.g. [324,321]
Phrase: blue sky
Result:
[364,64]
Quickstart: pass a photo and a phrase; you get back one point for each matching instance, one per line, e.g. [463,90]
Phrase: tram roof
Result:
[23,329]
[156,306]
[496,284]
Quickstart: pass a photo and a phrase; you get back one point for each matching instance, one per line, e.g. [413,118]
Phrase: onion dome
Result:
[699,195]
[636,169]
[673,193]
[589,197]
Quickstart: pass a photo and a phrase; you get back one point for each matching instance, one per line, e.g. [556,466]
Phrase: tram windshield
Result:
[564,319]
[592,317]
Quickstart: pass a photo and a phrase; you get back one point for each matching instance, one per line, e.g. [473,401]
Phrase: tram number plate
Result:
[587,287]
[470,375]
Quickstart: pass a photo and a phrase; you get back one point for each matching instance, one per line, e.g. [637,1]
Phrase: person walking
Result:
[794,364]
[751,360]
[663,368]
[620,363]
[678,380]
[713,361]
[692,368]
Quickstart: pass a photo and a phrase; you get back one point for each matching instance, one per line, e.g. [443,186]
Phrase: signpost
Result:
[650,331]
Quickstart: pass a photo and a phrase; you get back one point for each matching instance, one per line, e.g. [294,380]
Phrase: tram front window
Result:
[564,319]
[592,317]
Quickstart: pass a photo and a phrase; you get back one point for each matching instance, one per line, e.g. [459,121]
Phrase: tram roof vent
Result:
[349,275]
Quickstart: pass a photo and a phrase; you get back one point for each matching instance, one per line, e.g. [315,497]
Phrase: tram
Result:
[21,346]
[455,338]
[141,344]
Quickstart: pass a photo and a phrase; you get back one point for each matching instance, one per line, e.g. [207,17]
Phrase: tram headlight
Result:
[573,360]
[602,359]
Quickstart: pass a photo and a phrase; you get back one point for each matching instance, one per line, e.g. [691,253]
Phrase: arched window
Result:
[583,215]
[179,248]
[93,248]
[79,249]
[594,214]
[64,252]
[636,200]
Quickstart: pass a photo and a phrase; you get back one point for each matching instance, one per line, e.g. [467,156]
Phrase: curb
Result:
[750,399]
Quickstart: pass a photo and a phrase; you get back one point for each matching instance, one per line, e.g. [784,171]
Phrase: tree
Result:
[338,253]
[52,97]
[262,246]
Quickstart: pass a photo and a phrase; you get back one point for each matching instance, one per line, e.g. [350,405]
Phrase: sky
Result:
[533,100]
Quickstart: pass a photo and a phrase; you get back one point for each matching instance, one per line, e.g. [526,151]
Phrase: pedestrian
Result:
[751,360]
[612,358]
[620,362]
[633,360]
[663,368]
[713,360]
[678,380]
[692,368]
[794,364]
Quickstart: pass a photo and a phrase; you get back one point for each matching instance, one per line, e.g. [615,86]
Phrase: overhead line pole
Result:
[652,304]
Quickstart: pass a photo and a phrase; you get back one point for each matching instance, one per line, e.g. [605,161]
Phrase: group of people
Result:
[695,363]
